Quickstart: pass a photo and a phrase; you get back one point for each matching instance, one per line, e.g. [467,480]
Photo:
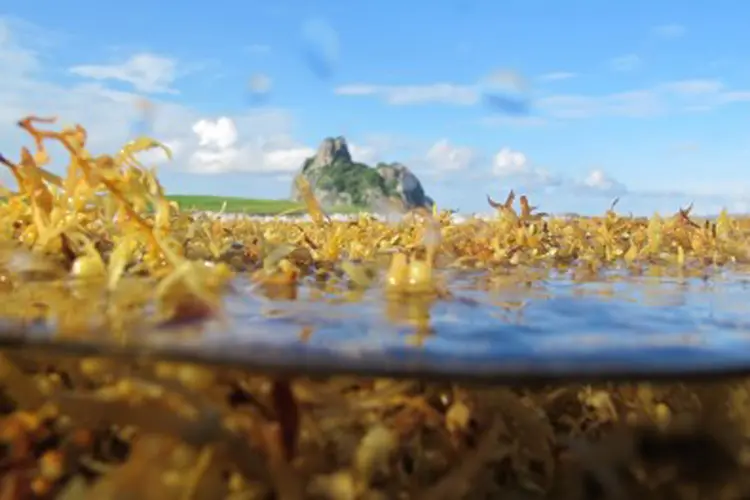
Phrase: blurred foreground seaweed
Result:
[102,250]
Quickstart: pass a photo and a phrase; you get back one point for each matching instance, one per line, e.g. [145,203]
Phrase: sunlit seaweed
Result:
[108,220]
[101,249]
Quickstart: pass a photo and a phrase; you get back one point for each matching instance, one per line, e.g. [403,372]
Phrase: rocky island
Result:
[338,180]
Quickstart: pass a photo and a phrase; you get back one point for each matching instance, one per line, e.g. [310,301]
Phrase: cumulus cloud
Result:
[520,172]
[219,151]
[258,141]
[219,134]
[509,163]
[261,140]
[146,72]
[597,180]
[445,157]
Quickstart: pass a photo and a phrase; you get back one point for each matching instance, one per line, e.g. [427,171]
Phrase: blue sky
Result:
[646,100]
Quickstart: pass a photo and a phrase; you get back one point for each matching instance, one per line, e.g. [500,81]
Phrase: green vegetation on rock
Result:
[337,179]
[358,180]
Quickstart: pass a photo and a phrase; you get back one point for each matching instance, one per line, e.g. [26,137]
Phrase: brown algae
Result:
[102,249]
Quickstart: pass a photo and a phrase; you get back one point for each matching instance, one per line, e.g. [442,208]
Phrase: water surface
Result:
[551,328]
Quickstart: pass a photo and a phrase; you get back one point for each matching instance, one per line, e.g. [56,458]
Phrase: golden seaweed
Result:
[102,249]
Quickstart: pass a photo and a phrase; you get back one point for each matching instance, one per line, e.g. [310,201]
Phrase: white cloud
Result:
[255,141]
[260,141]
[219,134]
[286,159]
[509,162]
[445,157]
[667,97]
[519,172]
[598,180]
[499,81]
[557,76]
[364,154]
[515,164]
[148,73]
[674,96]
[625,63]
[219,152]
[669,30]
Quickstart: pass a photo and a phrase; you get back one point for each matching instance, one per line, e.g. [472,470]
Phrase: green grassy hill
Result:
[245,205]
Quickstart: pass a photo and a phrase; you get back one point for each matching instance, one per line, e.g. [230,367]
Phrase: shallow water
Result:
[617,326]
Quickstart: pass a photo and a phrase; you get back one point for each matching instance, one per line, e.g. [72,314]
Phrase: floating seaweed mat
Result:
[99,260]
[148,352]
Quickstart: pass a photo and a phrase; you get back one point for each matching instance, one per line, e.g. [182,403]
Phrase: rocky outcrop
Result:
[403,183]
[339,180]
[330,151]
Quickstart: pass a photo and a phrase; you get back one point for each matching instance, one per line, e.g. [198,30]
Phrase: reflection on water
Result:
[486,327]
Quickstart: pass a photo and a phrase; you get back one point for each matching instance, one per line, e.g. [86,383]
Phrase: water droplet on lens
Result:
[259,88]
[320,48]
[507,92]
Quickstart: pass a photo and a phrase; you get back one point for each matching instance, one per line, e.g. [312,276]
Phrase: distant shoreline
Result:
[267,208]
